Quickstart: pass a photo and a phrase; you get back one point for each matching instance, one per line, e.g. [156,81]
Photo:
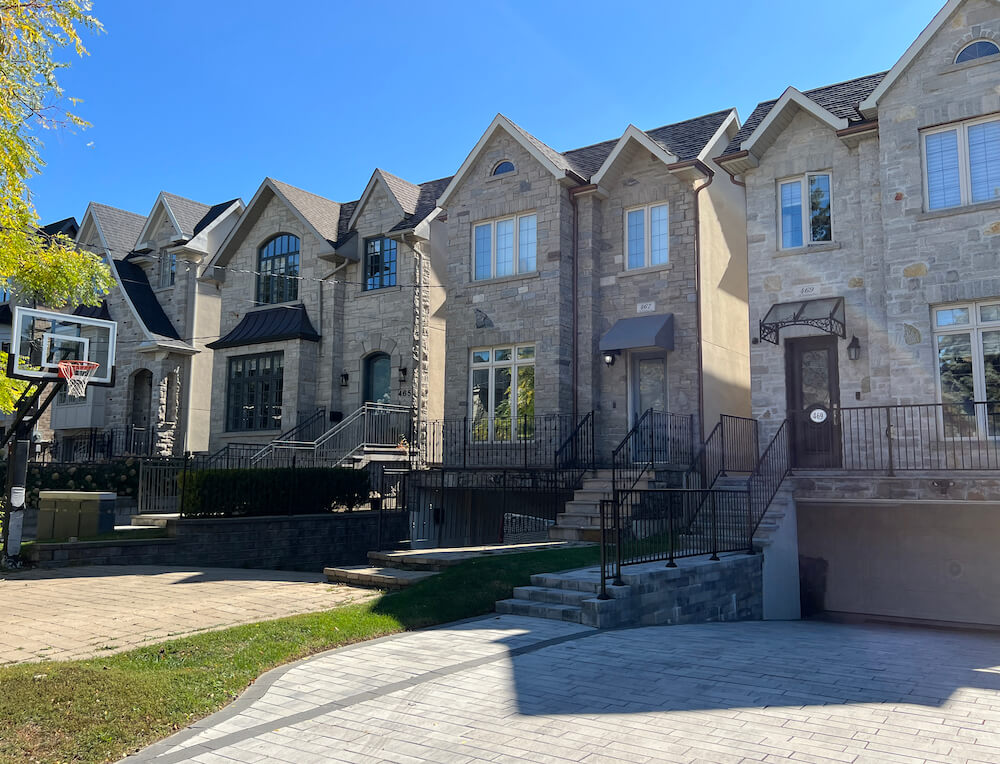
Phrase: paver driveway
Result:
[513,689]
[78,612]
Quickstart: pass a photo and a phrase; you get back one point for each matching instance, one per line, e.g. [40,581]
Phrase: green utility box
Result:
[75,514]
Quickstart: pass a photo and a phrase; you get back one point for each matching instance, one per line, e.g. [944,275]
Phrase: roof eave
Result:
[778,118]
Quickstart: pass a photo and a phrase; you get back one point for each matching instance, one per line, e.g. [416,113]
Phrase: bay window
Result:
[502,382]
[962,164]
[504,247]
[805,207]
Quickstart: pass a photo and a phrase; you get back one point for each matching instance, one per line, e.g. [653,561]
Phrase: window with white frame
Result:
[967,342]
[962,164]
[502,393]
[806,210]
[647,236]
[504,247]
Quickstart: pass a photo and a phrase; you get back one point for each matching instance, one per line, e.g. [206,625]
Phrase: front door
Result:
[813,384]
[648,374]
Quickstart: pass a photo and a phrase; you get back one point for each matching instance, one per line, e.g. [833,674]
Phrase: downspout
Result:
[697,287]
[575,352]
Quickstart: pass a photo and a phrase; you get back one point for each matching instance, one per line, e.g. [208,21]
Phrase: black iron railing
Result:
[658,438]
[523,442]
[578,450]
[100,445]
[771,470]
[900,438]
[234,456]
[310,426]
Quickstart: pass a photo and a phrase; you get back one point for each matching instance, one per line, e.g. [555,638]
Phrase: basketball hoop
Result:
[77,374]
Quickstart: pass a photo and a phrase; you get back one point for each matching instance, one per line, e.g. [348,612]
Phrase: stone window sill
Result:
[809,249]
[970,64]
[485,283]
[992,204]
[395,288]
[645,271]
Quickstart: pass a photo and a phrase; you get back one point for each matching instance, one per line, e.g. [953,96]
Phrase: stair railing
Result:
[578,452]
[771,470]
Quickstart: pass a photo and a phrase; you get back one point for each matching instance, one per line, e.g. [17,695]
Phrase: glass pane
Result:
[502,355]
[480,356]
[526,352]
[526,243]
[636,239]
[501,403]
[991,371]
[791,214]
[957,390]
[659,235]
[505,247]
[989,313]
[815,378]
[503,167]
[525,402]
[952,316]
[377,372]
[943,188]
[483,252]
[984,161]
[819,208]
[978,49]
[652,384]
[480,404]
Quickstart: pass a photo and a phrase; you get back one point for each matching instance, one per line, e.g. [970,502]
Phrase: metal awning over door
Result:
[655,331]
[825,313]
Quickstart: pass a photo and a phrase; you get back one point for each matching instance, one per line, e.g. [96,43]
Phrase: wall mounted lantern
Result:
[854,349]
[402,373]
[609,357]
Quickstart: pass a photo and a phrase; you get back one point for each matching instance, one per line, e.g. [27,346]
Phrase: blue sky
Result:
[205,99]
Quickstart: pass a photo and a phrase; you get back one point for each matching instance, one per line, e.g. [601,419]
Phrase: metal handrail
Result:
[583,431]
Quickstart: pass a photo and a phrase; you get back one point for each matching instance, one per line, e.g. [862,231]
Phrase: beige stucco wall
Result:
[916,560]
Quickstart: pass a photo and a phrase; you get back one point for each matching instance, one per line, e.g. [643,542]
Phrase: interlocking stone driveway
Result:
[511,689]
[78,612]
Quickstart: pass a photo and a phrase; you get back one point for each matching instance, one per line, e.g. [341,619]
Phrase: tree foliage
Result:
[34,268]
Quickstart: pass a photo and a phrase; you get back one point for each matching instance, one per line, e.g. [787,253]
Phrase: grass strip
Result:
[101,709]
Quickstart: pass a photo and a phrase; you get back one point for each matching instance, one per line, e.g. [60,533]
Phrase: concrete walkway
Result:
[512,689]
[72,613]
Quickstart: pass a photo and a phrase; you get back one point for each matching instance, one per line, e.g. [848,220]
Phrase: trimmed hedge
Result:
[121,476]
[276,491]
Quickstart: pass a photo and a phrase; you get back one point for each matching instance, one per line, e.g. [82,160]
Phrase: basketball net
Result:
[77,374]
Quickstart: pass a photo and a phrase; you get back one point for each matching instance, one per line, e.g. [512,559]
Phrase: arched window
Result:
[977,49]
[278,270]
[504,166]
[377,378]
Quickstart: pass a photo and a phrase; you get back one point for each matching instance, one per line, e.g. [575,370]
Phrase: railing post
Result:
[670,524]
[888,436]
[618,539]
[750,515]
[715,527]
[604,551]
[525,441]
[465,441]
[184,473]
[593,442]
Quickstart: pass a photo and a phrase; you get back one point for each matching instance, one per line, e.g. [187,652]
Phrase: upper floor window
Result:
[504,167]
[278,270]
[647,236]
[495,244]
[805,204]
[380,263]
[978,49]
[168,270]
[962,164]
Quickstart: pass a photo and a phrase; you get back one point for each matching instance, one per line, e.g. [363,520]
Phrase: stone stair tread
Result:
[374,576]
[534,609]
[551,594]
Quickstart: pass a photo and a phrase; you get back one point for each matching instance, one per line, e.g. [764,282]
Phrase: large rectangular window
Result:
[380,263]
[805,210]
[253,392]
[962,164]
[647,236]
[967,341]
[504,247]
[502,397]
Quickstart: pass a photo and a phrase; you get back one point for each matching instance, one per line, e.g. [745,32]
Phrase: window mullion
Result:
[647,218]
[806,228]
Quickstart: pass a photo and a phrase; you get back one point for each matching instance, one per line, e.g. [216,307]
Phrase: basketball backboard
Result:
[40,339]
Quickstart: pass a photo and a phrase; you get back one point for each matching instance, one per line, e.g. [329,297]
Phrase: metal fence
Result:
[658,438]
[99,445]
[521,443]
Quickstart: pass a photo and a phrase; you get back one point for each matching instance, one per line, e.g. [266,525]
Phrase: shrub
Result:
[282,490]
[120,477]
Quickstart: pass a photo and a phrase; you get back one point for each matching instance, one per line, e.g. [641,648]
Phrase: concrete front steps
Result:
[580,519]
[398,569]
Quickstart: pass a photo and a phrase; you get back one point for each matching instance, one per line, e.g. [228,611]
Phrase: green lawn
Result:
[104,708]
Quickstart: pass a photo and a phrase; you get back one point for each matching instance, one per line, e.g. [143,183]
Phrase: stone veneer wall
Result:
[296,542]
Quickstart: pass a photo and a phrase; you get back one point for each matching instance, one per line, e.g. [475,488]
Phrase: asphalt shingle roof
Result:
[67,226]
[213,213]
[141,294]
[841,99]
[286,322]
[120,228]
[321,213]
[187,212]
[425,204]
[406,193]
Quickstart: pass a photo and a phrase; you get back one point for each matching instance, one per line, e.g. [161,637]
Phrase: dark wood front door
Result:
[813,384]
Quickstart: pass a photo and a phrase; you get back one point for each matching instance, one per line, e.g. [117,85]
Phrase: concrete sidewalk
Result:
[512,689]
[71,613]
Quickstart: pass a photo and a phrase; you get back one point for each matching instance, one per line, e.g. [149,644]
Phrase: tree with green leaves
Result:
[46,271]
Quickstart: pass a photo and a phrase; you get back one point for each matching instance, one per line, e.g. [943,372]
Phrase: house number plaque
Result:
[818,415]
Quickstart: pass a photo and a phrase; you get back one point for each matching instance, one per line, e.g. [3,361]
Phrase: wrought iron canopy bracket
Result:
[825,314]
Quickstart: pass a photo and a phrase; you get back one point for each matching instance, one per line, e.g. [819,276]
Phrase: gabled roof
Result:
[118,229]
[213,214]
[426,203]
[285,322]
[320,213]
[67,226]
[140,294]
[683,141]
[840,102]
[406,193]
[187,212]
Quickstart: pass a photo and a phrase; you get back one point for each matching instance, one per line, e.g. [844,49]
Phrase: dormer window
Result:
[977,49]
[504,167]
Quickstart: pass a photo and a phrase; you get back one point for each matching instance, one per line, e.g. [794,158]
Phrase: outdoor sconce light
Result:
[343,379]
[609,358]
[402,373]
[854,349]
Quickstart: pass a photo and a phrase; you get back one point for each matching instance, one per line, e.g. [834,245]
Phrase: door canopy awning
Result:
[653,331]
[826,313]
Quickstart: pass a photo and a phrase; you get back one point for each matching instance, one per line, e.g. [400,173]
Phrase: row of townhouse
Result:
[829,267]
